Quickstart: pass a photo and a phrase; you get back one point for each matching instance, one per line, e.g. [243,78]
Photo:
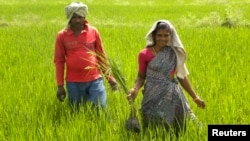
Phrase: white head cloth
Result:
[177,46]
[77,8]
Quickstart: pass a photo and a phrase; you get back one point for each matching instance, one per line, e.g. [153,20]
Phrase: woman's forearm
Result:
[185,83]
[140,80]
[139,83]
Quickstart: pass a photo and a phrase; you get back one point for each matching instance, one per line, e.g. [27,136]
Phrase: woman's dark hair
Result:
[161,25]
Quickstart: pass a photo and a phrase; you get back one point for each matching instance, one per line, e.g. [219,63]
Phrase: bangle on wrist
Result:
[196,98]
[135,88]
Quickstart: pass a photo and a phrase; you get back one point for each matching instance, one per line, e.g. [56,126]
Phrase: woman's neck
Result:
[156,48]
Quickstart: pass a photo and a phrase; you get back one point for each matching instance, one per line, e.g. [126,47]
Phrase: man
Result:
[79,51]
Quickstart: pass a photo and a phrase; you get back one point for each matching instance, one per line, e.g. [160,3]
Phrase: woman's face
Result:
[161,37]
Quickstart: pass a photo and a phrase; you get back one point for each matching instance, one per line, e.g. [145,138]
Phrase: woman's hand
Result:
[200,103]
[132,94]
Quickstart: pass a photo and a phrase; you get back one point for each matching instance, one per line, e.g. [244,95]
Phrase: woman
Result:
[161,67]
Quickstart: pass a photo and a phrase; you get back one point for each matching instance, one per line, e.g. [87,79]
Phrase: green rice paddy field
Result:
[215,34]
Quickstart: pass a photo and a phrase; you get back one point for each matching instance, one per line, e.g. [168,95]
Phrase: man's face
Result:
[76,21]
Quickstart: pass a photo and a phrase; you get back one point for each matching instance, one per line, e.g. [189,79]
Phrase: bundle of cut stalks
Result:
[132,123]
[110,68]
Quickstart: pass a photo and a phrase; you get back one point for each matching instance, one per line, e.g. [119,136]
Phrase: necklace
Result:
[154,50]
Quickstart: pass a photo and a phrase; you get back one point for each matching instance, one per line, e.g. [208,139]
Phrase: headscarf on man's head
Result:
[77,8]
[175,43]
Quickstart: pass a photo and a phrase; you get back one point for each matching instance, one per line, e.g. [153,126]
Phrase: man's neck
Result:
[77,30]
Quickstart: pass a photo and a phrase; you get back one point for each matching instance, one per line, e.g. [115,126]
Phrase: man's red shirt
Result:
[77,53]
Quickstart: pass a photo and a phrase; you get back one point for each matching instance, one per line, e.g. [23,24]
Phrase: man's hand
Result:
[61,93]
[113,85]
